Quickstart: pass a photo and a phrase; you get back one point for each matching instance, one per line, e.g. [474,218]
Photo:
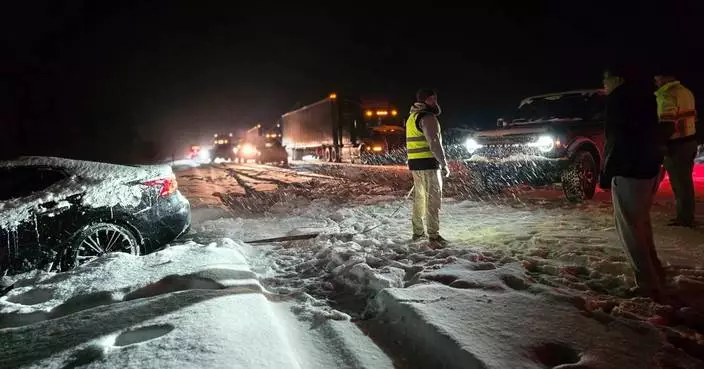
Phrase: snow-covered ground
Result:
[187,306]
[528,281]
[364,245]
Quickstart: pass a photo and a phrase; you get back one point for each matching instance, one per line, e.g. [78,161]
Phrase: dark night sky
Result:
[101,80]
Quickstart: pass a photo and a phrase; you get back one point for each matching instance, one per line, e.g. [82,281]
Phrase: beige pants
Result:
[427,193]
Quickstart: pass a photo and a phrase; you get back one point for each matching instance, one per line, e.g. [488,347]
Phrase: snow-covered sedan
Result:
[57,213]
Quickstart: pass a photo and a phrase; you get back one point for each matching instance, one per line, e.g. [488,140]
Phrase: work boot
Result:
[438,240]
[417,237]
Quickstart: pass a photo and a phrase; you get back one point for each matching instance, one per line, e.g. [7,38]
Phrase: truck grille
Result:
[506,150]
[508,139]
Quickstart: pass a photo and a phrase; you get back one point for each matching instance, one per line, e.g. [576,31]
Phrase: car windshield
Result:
[556,107]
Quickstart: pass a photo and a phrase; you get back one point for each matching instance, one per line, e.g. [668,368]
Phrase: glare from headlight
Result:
[204,155]
[248,149]
[544,143]
[472,145]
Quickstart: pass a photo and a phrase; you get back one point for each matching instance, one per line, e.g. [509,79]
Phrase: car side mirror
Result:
[500,122]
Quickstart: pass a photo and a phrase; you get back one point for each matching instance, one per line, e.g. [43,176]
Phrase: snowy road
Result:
[529,281]
[364,247]
[522,220]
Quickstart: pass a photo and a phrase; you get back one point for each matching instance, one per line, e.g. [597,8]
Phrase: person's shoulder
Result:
[428,117]
[681,89]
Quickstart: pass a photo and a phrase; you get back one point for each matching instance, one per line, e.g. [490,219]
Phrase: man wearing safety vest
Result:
[678,116]
[426,158]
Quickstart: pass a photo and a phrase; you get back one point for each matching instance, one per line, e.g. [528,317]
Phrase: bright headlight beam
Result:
[544,143]
[472,145]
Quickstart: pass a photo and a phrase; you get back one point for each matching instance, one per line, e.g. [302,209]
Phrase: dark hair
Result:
[425,93]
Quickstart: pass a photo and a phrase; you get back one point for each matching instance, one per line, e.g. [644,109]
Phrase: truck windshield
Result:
[393,139]
[557,107]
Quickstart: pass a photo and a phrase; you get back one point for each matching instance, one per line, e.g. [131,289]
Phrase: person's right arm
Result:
[431,129]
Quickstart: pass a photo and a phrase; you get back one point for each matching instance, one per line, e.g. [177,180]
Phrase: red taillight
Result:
[167,186]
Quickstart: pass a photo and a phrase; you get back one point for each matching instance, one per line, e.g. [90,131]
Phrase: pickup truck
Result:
[552,138]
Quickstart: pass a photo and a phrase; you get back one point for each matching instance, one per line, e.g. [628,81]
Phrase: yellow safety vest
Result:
[676,104]
[417,145]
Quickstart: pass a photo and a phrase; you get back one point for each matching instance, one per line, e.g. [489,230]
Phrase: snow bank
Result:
[118,275]
[500,318]
[470,328]
[188,305]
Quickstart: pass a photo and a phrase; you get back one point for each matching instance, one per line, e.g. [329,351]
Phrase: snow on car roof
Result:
[92,169]
[102,185]
[558,95]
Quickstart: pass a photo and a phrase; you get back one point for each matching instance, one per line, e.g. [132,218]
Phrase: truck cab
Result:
[385,139]
[223,147]
[271,151]
[384,144]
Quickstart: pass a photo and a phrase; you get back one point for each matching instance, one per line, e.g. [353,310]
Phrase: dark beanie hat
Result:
[425,93]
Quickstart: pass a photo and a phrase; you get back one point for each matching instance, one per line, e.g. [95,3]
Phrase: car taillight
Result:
[167,186]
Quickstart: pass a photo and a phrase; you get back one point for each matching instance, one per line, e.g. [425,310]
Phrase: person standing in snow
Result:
[634,154]
[677,114]
[426,160]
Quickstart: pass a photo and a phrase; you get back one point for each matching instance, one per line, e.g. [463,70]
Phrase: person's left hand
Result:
[445,171]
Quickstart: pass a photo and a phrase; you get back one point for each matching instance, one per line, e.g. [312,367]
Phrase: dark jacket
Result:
[634,141]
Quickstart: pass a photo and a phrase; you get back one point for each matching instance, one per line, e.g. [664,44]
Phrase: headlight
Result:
[377,148]
[472,145]
[544,143]
[248,150]
[204,155]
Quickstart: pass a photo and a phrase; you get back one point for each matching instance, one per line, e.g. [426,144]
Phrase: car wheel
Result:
[99,239]
[579,179]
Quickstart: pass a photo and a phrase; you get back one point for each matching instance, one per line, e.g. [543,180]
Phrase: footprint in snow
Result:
[142,334]
[96,352]
[85,356]
[557,354]
[34,296]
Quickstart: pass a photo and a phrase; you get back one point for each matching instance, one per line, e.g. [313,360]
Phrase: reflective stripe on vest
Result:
[676,104]
[417,145]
